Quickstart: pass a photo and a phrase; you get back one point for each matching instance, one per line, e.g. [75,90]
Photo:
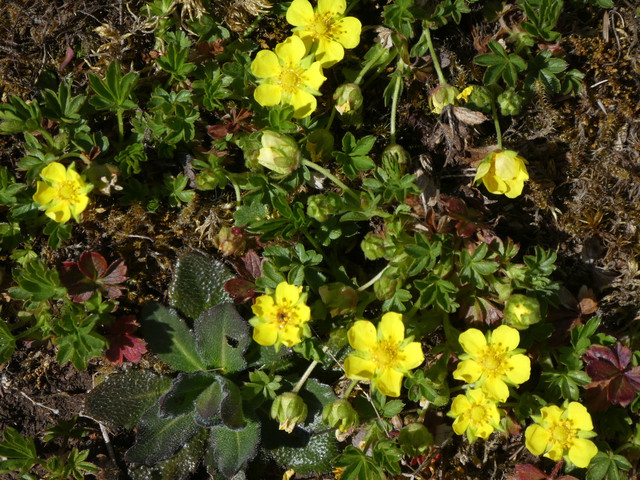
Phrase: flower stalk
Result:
[331,177]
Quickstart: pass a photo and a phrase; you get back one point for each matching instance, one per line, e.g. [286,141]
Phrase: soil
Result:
[583,200]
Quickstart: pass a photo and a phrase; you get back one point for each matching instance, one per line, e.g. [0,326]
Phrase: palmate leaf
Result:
[114,92]
[17,453]
[500,64]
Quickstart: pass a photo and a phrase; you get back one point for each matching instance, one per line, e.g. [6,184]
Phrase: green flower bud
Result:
[348,98]
[279,153]
[395,159]
[320,207]
[373,246]
[341,415]
[320,145]
[339,298]
[290,410]
[510,102]
[521,311]
[415,439]
[479,99]
[388,284]
[230,241]
[441,97]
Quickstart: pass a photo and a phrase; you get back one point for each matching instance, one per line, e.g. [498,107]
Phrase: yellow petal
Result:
[291,50]
[303,103]
[472,341]
[494,184]
[496,389]
[266,64]
[334,8]
[59,212]
[347,32]
[579,416]
[506,165]
[266,334]
[482,170]
[54,173]
[519,369]
[329,52]
[582,452]
[555,453]
[78,207]
[303,313]
[536,439]
[300,13]
[515,188]
[469,371]
[287,293]
[290,335]
[263,307]
[363,336]
[550,415]
[483,430]
[357,368]
[505,336]
[44,194]
[459,406]
[389,382]
[412,356]
[391,328]
[461,424]
[313,77]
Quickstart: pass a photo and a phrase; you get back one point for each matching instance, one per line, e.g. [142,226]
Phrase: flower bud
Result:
[230,241]
[521,311]
[339,298]
[395,159]
[441,97]
[320,207]
[341,415]
[390,282]
[320,145]
[348,98]
[510,102]
[373,246]
[415,439]
[288,409]
[479,99]
[279,153]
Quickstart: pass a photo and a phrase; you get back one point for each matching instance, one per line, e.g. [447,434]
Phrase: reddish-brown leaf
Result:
[122,343]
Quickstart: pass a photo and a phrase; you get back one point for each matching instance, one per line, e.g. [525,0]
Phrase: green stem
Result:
[496,122]
[434,57]
[47,136]
[367,66]
[120,126]
[304,376]
[236,189]
[332,115]
[312,241]
[397,88]
[253,26]
[331,177]
[350,388]
[348,9]
[373,280]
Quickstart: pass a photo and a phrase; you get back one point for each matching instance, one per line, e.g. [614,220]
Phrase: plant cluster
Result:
[362,311]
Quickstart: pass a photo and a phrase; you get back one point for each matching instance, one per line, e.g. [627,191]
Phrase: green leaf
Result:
[358,466]
[17,116]
[231,450]
[122,398]
[198,284]
[222,336]
[114,92]
[7,342]
[608,466]
[17,453]
[36,283]
[76,339]
[392,408]
[169,337]
[185,390]
[158,438]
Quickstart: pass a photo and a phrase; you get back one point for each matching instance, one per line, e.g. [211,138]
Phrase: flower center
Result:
[322,26]
[68,191]
[386,354]
[562,433]
[290,79]
[492,361]
[477,414]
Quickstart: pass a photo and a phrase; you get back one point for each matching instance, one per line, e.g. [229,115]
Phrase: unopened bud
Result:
[341,415]
[510,102]
[388,284]
[289,410]
[521,311]
[415,439]
[395,159]
[320,207]
[339,298]
[348,98]
[279,153]
[320,145]
[230,241]
[373,246]
[441,97]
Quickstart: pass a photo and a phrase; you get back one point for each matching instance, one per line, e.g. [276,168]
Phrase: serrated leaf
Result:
[17,453]
[122,398]
[231,450]
[168,336]
[392,408]
[198,284]
[181,397]
[7,342]
[158,438]
[222,337]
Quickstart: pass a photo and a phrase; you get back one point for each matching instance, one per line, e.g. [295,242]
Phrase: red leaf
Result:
[92,273]
[529,472]
[240,289]
[122,344]
[92,264]
[620,391]
[116,273]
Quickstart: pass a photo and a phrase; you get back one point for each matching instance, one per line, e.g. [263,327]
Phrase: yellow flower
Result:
[325,27]
[281,318]
[475,414]
[63,194]
[561,433]
[286,78]
[492,362]
[465,94]
[503,172]
[383,356]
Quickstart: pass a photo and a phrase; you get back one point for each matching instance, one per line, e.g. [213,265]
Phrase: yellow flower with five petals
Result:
[503,172]
[326,27]
[63,193]
[561,433]
[384,355]
[281,318]
[287,77]
[475,414]
[492,362]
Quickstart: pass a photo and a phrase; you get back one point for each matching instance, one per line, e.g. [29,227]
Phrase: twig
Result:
[55,411]
[107,442]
